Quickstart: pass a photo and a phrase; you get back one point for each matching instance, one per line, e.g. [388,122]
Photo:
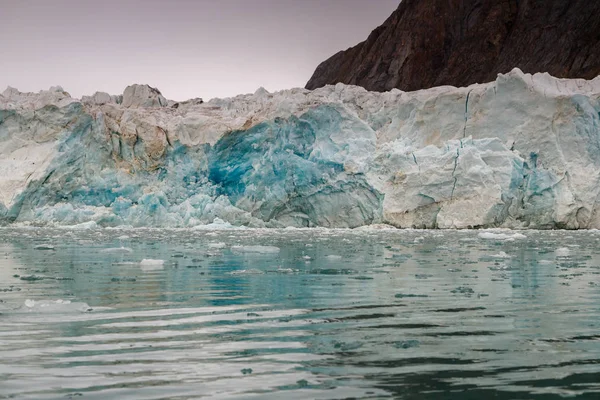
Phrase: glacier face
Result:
[520,152]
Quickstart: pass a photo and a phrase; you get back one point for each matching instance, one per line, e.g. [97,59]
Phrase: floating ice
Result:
[217,224]
[148,264]
[562,252]
[501,255]
[256,249]
[149,261]
[117,250]
[54,306]
[251,271]
[377,227]
[501,236]
[286,270]
[83,226]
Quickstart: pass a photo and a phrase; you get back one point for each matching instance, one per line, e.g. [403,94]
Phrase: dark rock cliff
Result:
[427,43]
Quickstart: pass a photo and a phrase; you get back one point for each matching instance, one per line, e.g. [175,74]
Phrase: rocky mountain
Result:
[427,43]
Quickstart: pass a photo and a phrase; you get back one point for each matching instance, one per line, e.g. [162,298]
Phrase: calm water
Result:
[306,314]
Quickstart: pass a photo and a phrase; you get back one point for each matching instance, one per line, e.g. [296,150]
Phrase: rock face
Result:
[427,43]
[520,152]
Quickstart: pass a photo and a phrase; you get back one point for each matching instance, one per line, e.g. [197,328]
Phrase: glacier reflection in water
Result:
[325,314]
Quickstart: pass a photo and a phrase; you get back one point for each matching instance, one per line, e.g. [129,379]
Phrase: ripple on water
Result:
[298,314]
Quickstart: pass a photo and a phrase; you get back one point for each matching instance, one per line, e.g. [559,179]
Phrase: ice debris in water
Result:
[501,236]
[251,271]
[501,255]
[217,224]
[255,249]
[280,270]
[376,227]
[334,257]
[148,264]
[149,261]
[56,306]
[117,250]
[562,252]
[217,245]
[82,226]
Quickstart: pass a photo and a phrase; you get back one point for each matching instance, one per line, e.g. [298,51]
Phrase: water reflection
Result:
[317,314]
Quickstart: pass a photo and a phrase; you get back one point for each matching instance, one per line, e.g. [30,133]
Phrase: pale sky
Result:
[185,48]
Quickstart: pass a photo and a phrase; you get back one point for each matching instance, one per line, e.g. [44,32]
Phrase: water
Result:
[297,314]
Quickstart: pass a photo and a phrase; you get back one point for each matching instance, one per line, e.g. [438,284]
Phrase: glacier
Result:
[520,152]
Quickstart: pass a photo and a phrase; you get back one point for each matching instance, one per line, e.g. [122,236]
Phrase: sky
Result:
[185,48]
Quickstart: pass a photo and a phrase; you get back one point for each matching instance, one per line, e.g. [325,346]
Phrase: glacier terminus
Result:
[520,152]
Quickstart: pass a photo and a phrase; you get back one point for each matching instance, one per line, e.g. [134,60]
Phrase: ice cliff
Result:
[520,152]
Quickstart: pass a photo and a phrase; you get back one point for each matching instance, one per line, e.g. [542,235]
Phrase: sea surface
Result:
[299,314]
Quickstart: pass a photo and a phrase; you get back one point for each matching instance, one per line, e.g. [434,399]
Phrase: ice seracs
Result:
[520,152]
[143,96]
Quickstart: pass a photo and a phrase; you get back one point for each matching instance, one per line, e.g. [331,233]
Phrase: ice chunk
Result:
[148,264]
[83,226]
[149,261]
[251,271]
[280,270]
[217,224]
[501,255]
[54,306]
[562,252]
[116,250]
[377,227]
[255,249]
[501,236]
[143,96]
